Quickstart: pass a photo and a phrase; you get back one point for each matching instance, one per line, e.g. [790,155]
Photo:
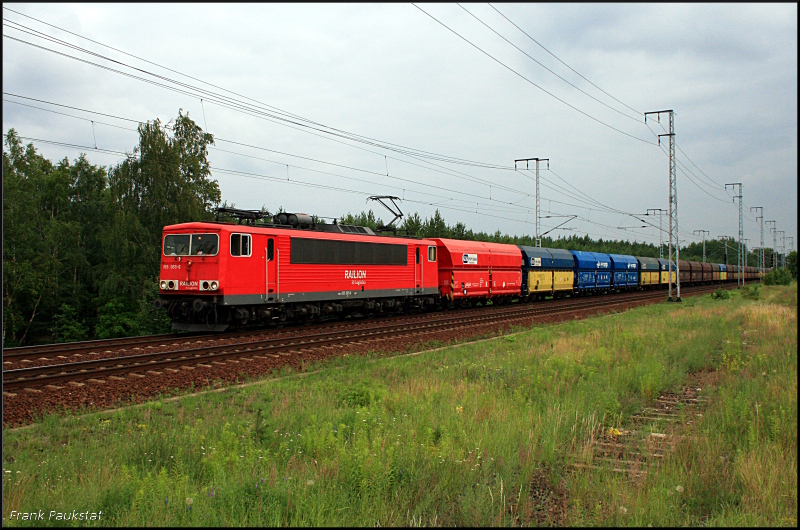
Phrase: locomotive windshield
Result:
[191,244]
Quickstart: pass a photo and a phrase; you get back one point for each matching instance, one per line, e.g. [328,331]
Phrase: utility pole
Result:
[673,202]
[538,215]
[660,231]
[704,232]
[741,228]
[725,239]
[744,246]
[761,251]
[782,255]
[774,242]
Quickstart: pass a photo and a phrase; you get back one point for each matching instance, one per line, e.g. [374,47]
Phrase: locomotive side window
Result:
[204,245]
[240,245]
[431,254]
[176,245]
[236,244]
[246,246]
[327,252]
[270,250]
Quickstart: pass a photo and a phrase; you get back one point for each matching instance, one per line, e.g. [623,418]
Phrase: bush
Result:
[68,327]
[750,292]
[778,277]
[113,321]
[720,294]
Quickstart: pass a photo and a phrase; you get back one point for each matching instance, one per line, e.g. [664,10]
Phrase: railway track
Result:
[201,353]
[75,351]
[62,353]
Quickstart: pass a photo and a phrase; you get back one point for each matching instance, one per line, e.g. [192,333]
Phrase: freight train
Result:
[218,275]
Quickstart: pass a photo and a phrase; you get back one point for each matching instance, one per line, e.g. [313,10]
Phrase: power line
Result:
[312,184]
[337,132]
[260,115]
[504,203]
[528,80]
[159,84]
[276,179]
[636,119]
[447,159]
[465,177]
[562,62]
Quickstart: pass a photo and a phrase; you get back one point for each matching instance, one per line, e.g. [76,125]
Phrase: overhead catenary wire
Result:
[381,147]
[529,81]
[304,183]
[505,204]
[281,115]
[489,184]
[483,207]
[527,210]
[634,118]
[562,62]
[278,179]
[505,188]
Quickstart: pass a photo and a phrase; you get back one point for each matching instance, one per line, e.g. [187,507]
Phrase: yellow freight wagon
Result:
[546,272]
[664,276]
[649,272]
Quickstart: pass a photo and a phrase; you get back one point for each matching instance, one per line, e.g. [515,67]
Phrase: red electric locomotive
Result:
[220,274]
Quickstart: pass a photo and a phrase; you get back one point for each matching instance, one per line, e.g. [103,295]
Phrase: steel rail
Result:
[48,351]
[51,351]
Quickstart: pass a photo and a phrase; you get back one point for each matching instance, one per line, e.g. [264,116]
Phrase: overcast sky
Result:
[401,80]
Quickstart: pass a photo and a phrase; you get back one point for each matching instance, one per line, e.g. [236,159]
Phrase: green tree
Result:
[412,223]
[36,232]
[791,263]
[166,180]
[114,321]
[367,219]
[68,327]
[435,226]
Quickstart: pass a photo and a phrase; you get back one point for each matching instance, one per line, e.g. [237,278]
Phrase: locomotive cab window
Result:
[191,244]
[431,254]
[204,245]
[240,245]
[176,245]
[270,250]
[417,254]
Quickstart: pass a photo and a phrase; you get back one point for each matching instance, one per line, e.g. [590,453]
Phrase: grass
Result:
[481,434]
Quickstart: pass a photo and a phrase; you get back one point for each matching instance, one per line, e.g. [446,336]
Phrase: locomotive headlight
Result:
[214,286]
[171,284]
[163,284]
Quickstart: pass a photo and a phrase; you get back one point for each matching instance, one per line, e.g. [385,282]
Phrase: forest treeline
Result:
[82,243]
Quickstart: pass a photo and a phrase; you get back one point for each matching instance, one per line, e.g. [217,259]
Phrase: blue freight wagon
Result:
[626,271]
[592,270]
